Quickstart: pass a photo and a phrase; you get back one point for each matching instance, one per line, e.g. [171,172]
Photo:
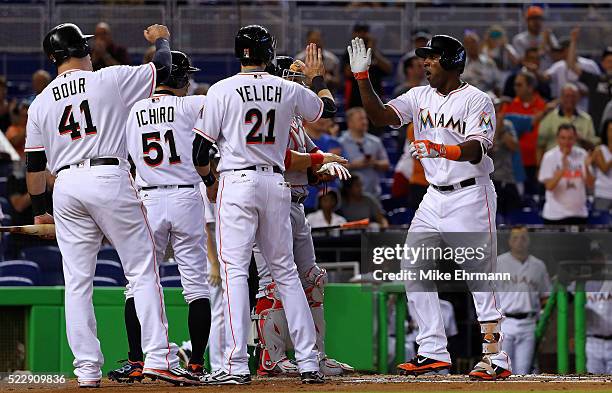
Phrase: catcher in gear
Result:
[269,316]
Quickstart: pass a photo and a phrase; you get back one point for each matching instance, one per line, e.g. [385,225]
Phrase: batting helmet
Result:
[181,69]
[65,41]
[254,42]
[451,51]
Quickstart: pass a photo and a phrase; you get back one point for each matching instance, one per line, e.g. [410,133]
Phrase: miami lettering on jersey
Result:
[439,120]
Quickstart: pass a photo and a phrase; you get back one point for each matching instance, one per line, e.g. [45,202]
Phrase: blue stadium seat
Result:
[401,216]
[524,216]
[168,269]
[171,282]
[599,217]
[15,282]
[7,220]
[110,269]
[21,268]
[105,282]
[6,205]
[108,253]
[385,186]
[49,259]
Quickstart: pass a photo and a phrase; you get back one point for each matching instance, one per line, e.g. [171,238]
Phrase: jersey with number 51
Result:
[160,139]
[82,114]
[249,116]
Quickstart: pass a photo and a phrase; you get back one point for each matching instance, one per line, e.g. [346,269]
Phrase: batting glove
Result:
[334,169]
[427,149]
[359,58]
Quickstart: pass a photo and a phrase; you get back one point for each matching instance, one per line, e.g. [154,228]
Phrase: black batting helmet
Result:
[255,42]
[181,69]
[65,41]
[451,51]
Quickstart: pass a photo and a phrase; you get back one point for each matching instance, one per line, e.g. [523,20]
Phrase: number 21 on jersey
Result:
[255,118]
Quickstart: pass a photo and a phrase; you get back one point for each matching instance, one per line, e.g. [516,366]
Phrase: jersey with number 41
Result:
[160,139]
[249,115]
[82,114]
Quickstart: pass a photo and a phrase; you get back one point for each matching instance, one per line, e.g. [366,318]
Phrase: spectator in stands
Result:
[365,152]
[531,63]
[319,133]
[419,39]
[565,172]
[40,80]
[602,160]
[326,216]
[480,69]
[357,205]
[496,47]
[536,36]
[504,146]
[380,68]
[559,74]
[607,114]
[330,61]
[414,73]
[521,298]
[104,51]
[524,112]
[566,112]
[599,85]
[409,183]
[16,132]
[6,106]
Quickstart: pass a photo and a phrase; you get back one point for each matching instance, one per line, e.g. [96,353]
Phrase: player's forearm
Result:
[37,185]
[329,105]
[378,113]
[297,161]
[211,244]
[162,59]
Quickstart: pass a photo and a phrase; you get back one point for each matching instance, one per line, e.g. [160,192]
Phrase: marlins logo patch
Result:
[485,120]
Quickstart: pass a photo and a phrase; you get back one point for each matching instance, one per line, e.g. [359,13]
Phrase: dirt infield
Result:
[360,383]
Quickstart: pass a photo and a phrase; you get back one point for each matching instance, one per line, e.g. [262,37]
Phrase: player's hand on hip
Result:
[44,219]
[154,32]
[313,62]
[335,169]
[360,58]
[331,157]
[426,149]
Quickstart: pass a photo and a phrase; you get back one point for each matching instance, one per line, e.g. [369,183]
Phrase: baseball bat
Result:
[347,225]
[42,230]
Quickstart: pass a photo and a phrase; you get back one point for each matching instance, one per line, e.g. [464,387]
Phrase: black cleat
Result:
[312,377]
[129,372]
[222,378]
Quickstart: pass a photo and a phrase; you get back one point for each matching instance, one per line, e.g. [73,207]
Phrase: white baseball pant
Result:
[598,355]
[519,343]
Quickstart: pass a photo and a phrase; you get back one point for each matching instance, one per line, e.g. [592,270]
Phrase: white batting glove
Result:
[335,169]
[359,58]
[424,149]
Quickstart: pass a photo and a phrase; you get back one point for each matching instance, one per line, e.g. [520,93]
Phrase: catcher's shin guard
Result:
[491,347]
[273,334]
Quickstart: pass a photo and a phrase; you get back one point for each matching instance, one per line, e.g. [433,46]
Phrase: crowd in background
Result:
[552,148]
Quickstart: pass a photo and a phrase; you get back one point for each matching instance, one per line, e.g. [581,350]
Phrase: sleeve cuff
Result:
[319,115]
[204,135]
[34,148]
[398,114]
[153,79]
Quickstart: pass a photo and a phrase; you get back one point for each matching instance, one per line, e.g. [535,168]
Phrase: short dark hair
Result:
[567,126]
[604,130]
[251,62]
[530,78]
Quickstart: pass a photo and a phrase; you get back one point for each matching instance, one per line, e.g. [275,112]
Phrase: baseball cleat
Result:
[177,376]
[196,369]
[420,365]
[284,367]
[89,384]
[312,377]
[129,372]
[331,367]
[220,377]
[486,371]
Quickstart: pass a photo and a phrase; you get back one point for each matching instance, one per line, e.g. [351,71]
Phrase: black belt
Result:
[462,184]
[147,188]
[95,162]
[601,337]
[275,169]
[298,199]
[521,315]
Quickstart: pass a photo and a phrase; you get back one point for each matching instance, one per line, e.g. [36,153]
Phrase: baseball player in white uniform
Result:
[599,327]
[454,124]
[249,116]
[164,149]
[521,299]
[77,126]
[269,313]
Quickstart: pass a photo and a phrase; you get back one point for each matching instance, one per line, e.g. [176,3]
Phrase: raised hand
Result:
[360,58]
[313,62]
[154,32]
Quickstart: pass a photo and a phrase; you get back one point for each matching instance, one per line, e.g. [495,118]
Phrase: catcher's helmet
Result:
[254,42]
[281,66]
[65,41]
[181,68]
[451,51]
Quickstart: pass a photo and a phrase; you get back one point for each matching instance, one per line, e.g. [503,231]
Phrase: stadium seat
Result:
[21,268]
[49,259]
[105,282]
[385,186]
[599,217]
[524,216]
[171,282]
[7,220]
[168,269]
[108,253]
[15,282]
[110,269]
[6,206]
[401,216]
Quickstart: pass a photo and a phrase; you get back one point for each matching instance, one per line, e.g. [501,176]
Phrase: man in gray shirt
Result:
[365,152]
